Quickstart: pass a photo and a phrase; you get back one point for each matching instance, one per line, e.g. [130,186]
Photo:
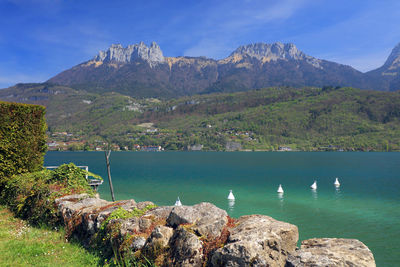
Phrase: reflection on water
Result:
[338,193]
[281,199]
[314,194]
[315,204]
[231,205]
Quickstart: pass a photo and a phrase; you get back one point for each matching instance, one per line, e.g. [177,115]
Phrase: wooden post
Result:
[109,173]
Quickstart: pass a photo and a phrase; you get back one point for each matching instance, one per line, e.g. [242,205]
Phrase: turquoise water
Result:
[366,207]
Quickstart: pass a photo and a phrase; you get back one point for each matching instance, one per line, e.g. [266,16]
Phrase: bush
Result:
[31,196]
[22,139]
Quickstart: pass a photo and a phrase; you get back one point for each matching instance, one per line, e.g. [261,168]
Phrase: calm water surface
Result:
[365,207]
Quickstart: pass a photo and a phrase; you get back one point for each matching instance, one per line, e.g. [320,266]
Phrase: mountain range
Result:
[143,71]
[137,96]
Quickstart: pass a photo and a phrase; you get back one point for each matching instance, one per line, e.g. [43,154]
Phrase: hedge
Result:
[22,139]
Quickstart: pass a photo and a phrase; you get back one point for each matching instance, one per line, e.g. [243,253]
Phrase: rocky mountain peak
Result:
[274,52]
[117,53]
[393,61]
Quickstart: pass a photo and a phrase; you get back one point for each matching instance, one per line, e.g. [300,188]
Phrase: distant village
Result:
[64,141]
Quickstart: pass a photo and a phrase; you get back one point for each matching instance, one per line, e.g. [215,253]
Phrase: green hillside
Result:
[302,119]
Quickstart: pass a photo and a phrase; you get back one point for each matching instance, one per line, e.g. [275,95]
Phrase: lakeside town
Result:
[64,141]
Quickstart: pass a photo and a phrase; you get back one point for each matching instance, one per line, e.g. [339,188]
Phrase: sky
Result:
[40,38]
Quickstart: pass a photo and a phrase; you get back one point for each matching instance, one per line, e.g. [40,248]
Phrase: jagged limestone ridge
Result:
[117,53]
[274,52]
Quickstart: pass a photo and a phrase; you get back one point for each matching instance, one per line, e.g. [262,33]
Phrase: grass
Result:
[23,245]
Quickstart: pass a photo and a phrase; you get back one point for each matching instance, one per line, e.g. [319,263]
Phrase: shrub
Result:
[31,196]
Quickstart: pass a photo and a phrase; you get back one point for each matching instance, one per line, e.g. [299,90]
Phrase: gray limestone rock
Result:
[331,252]
[71,198]
[254,240]
[206,219]
[160,235]
[186,249]
[257,240]
[128,205]
[142,205]
[160,212]
[68,209]
[117,53]
[129,226]
[276,51]
[138,243]
[158,241]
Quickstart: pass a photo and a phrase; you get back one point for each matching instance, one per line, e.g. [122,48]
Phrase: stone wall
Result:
[199,235]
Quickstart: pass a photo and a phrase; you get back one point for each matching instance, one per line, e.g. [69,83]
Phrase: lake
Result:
[366,206]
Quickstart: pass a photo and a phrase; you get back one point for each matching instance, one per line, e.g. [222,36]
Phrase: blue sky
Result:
[40,38]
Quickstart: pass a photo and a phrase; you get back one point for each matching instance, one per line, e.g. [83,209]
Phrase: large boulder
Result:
[161,213]
[186,249]
[104,212]
[157,244]
[160,236]
[331,252]
[135,225]
[204,219]
[203,234]
[257,240]
[69,207]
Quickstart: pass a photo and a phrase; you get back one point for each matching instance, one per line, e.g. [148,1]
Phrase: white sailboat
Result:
[280,189]
[336,183]
[231,196]
[314,186]
[178,202]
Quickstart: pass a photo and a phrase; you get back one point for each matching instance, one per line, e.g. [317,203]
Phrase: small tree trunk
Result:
[109,173]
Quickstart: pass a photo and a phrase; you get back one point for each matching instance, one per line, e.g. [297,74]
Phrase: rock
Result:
[331,252]
[128,205]
[193,236]
[393,61]
[138,243]
[257,240]
[186,249]
[68,209]
[129,226]
[158,242]
[161,235]
[116,53]
[71,198]
[160,212]
[274,52]
[206,219]
[142,205]
[135,225]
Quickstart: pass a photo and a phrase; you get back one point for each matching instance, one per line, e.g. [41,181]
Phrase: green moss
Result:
[121,213]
